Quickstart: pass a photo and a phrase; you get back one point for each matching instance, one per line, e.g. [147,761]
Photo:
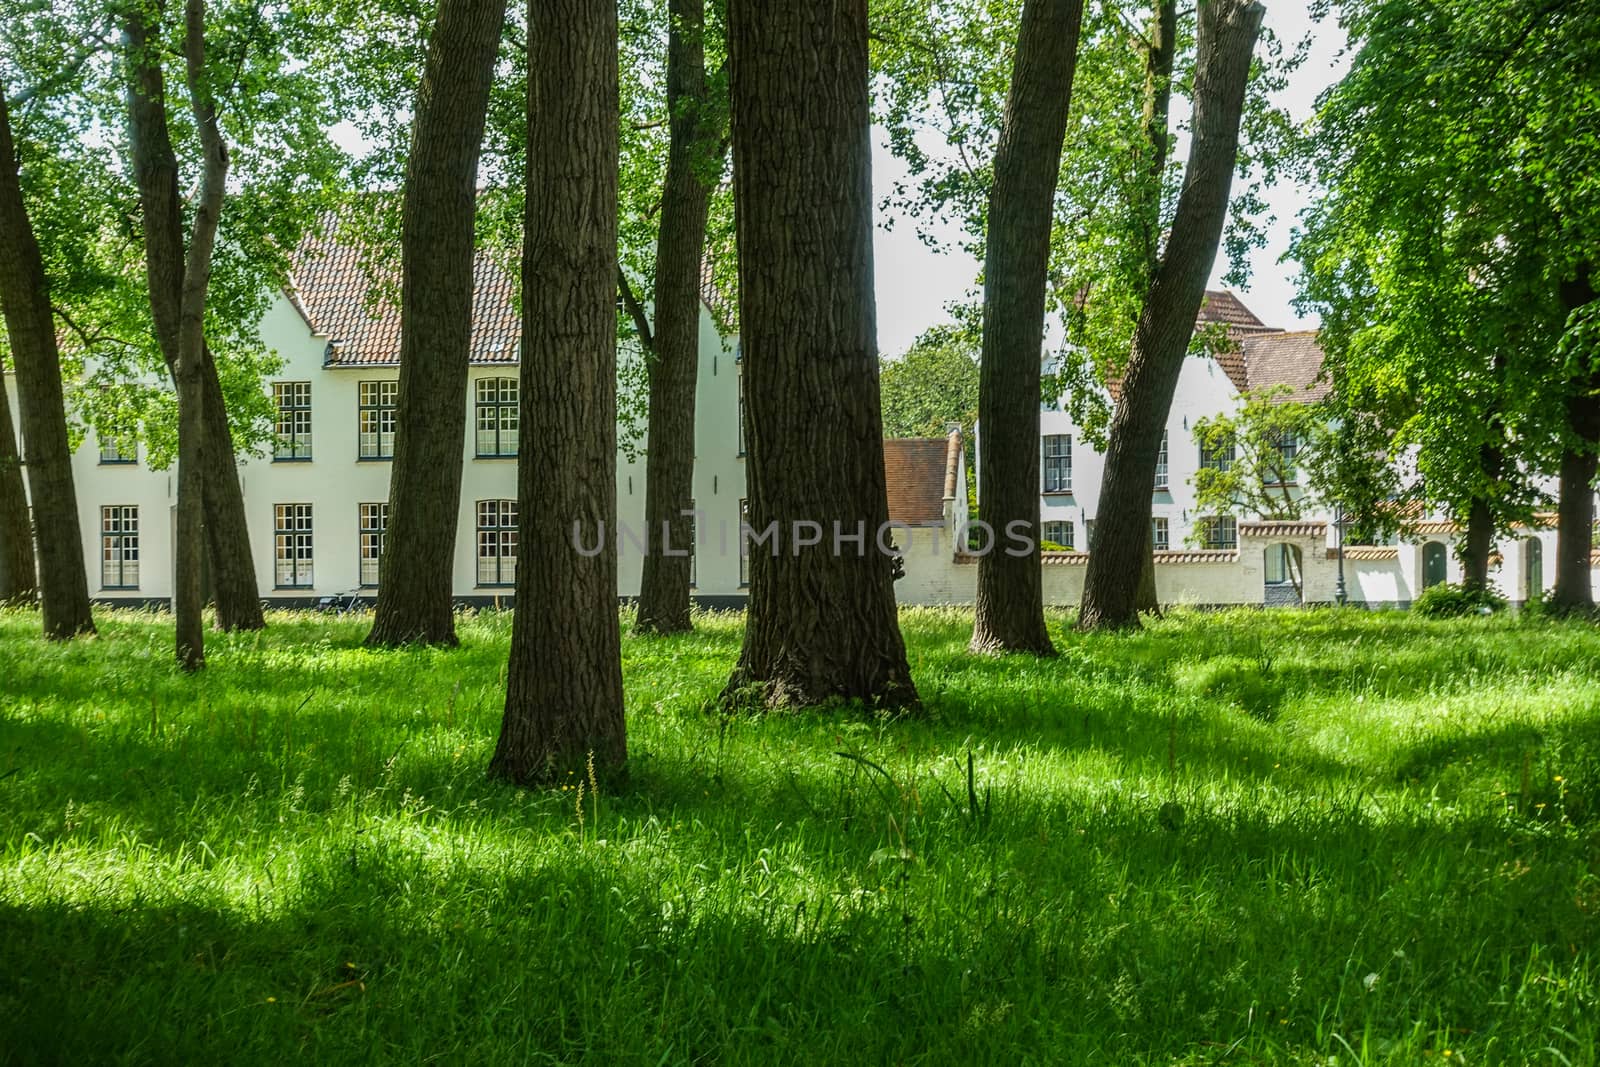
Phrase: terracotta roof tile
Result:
[355,305]
[1370,553]
[916,470]
[1272,360]
[1079,559]
[1269,528]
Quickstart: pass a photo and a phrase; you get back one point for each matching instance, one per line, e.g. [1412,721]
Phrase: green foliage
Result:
[1449,155]
[1450,601]
[934,384]
[1273,441]
[298,856]
[276,103]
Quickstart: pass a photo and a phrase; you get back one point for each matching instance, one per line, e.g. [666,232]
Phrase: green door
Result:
[1533,552]
[1433,564]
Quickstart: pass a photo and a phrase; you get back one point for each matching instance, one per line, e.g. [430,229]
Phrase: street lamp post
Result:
[1340,595]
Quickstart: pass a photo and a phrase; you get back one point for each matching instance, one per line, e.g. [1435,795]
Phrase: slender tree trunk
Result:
[1160,54]
[415,595]
[19,579]
[564,684]
[1227,37]
[1573,591]
[674,344]
[25,298]
[155,167]
[1478,545]
[193,357]
[1010,610]
[822,620]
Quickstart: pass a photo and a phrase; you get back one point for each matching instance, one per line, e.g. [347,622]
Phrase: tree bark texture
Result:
[155,167]
[19,579]
[30,325]
[1227,37]
[564,684]
[822,619]
[1010,607]
[674,346]
[1161,52]
[437,251]
[194,443]
[1573,591]
[1477,546]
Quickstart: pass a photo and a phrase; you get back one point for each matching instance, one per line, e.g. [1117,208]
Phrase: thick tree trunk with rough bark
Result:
[1227,37]
[19,580]
[673,344]
[155,167]
[564,684]
[822,621]
[415,594]
[1573,591]
[1477,545]
[1010,608]
[30,325]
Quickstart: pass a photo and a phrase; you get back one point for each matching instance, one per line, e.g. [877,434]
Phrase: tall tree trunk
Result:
[1160,53]
[564,684]
[1010,610]
[822,620]
[415,595]
[19,579]
[674,343]
[1574,591]
[25,298]
[193,357]
[155,168]
[1227,37]
[1477,546]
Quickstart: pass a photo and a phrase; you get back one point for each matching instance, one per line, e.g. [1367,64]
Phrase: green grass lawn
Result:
[1240,838]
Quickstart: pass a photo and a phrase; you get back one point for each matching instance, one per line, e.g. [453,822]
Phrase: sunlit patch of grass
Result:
[1237,837]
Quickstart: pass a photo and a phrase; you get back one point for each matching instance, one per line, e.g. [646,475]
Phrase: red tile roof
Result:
[353,300]
[1273,360]
[1283,528]
[920,476]
[1370,553]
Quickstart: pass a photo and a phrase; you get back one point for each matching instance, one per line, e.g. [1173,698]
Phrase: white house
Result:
[317,506]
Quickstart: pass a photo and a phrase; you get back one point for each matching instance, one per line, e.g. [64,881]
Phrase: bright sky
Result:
[915,283]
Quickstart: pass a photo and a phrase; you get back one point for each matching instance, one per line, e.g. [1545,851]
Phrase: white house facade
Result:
[317,506]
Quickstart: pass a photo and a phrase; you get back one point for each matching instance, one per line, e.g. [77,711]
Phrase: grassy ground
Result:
[1235,838]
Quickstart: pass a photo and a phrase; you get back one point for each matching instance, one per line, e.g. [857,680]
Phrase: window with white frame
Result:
[374,524]
[1058,463]
[1059,533]
[292,546]
[376,414]
[739,369]
[1160,534]
[497,542]
[1161,463]
[1288,448]
[118,449]
[1219,532]
[293,400]
[1218,458]
[498,417]
[119,547]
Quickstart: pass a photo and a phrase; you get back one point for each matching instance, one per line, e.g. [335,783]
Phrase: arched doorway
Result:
[1434,564]
[1533,566]
[1285,576]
